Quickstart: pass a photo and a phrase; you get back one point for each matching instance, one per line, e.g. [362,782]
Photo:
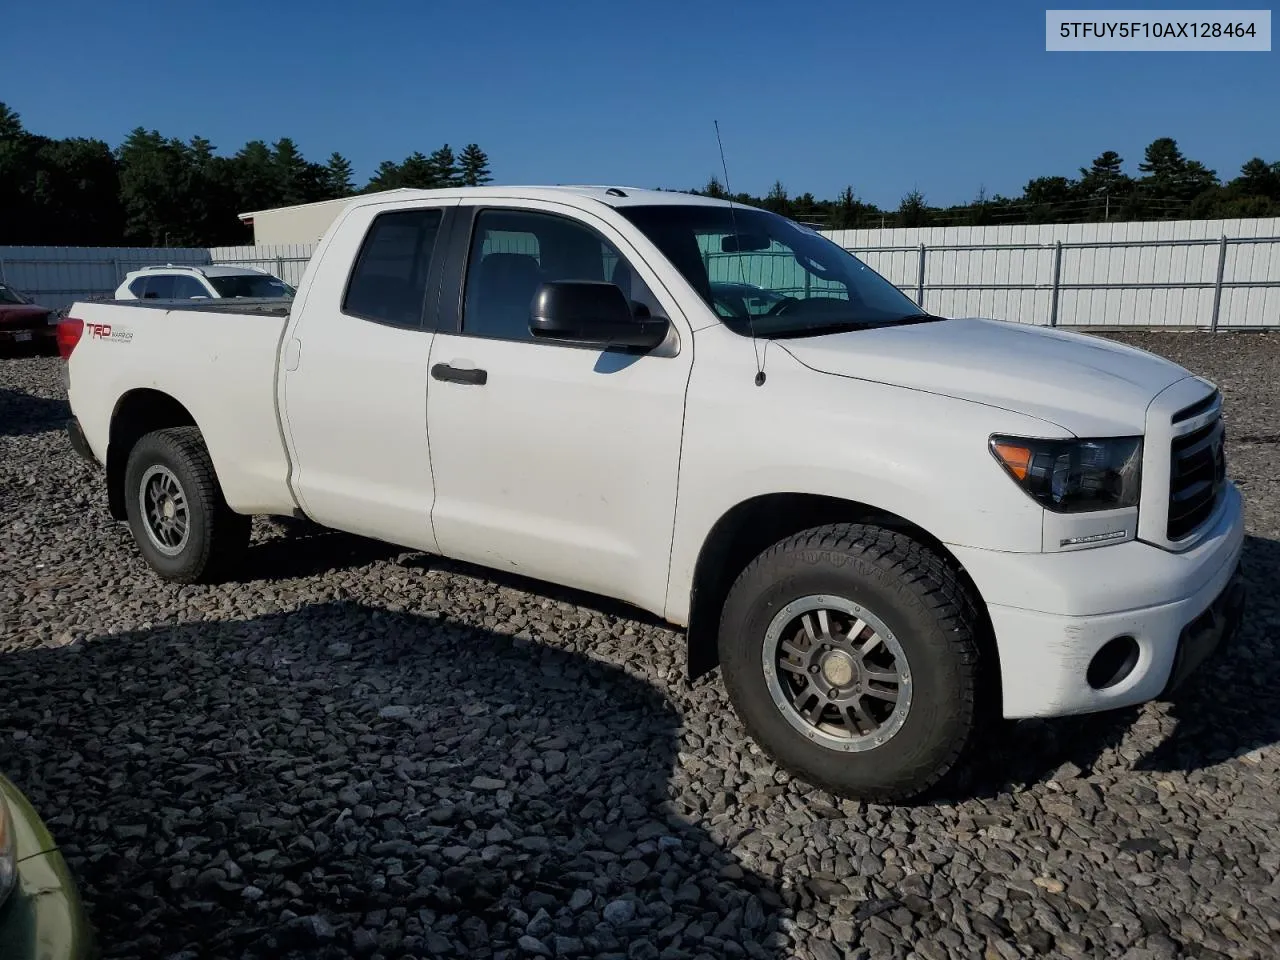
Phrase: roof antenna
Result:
[733,219]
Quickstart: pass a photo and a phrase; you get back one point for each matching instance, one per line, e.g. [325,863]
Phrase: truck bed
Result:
[217,359]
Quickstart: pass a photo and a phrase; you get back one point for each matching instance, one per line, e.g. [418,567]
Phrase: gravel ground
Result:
[360,751]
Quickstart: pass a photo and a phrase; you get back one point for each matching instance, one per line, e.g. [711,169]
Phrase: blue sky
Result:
[938,95]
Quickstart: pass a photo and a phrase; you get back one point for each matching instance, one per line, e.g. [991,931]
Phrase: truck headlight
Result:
[1073,476]
[8,854]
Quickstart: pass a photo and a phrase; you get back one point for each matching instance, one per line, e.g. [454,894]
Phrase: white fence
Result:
[1192,273]
[58,276]
[1186,273]
[288,261]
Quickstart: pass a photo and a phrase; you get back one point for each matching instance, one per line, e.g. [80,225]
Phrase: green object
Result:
[43,918]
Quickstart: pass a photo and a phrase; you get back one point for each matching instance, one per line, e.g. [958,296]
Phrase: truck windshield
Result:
[767,276]
[248,285]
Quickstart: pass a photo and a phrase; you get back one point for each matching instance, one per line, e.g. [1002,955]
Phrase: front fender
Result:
[918,455]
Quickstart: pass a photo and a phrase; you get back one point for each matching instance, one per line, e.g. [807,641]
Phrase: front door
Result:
[558,462]
[354,389]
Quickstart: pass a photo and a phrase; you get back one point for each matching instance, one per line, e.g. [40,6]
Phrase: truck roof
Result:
[614,196]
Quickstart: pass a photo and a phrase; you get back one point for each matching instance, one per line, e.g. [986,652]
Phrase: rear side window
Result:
[139,287]
[389,281]
[159,288]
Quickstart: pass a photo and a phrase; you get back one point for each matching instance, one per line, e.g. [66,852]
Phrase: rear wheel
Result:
[850,653]
[176,510]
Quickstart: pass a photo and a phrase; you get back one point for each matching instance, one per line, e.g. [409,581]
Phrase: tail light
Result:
[68,335]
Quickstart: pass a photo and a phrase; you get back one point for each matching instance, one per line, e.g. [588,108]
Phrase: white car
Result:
[883,525]
[178,282]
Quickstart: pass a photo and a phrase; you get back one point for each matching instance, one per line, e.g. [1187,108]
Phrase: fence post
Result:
[1057,275]
[1217,286]
[1,269]
[920,279]
[280,267]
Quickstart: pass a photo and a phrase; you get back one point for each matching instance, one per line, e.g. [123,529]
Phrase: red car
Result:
[23,322]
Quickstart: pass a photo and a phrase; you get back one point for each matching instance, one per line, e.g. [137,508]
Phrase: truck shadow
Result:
[22,414]
[343,780]
[1208,725]
[550,591]
[287,549]
[1229,709]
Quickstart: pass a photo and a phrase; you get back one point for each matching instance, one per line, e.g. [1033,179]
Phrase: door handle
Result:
[451,374]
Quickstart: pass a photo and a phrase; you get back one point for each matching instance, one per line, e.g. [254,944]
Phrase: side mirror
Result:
[592,312]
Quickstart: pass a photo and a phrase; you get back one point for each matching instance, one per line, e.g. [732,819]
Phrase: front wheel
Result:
[850,653]
[176,511]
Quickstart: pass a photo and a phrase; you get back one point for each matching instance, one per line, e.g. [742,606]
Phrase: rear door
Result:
[558,462]
[354,380]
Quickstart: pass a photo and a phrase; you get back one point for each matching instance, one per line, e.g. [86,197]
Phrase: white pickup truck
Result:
[883,526]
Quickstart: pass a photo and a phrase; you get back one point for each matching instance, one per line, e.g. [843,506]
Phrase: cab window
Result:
[515,251]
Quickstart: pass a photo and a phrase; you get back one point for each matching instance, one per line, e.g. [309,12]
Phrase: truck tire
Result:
[176,511]
[850,654]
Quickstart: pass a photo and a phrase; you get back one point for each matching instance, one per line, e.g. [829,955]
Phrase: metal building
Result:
[302,223]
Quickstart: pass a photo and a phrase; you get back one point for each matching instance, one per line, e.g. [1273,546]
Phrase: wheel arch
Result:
[751,526]
[136,414]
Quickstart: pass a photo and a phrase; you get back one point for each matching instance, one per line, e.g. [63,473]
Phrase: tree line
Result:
[156,191]
[1169,187]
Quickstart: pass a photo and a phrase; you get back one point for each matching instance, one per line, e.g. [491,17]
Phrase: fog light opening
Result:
[1113,663]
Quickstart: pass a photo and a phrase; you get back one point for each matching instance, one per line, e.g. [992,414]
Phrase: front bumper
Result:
[1053,612]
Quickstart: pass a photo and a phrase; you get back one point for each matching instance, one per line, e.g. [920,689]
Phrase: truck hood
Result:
[1086,385]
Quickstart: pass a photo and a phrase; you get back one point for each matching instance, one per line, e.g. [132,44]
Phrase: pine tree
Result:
[1258,179]
[444,168]
[1106,166]
[291,172]
[776,200]
[255,176]
[418,171]
[201,150]
[388,176]
[473,166]
[10,122]
[338,174]
[1105,183]
[912,211]
[1171,176]
[714,188]
[1163,160]
[847,208]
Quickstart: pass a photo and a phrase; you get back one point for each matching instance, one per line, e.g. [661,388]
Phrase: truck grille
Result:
[1198,471]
